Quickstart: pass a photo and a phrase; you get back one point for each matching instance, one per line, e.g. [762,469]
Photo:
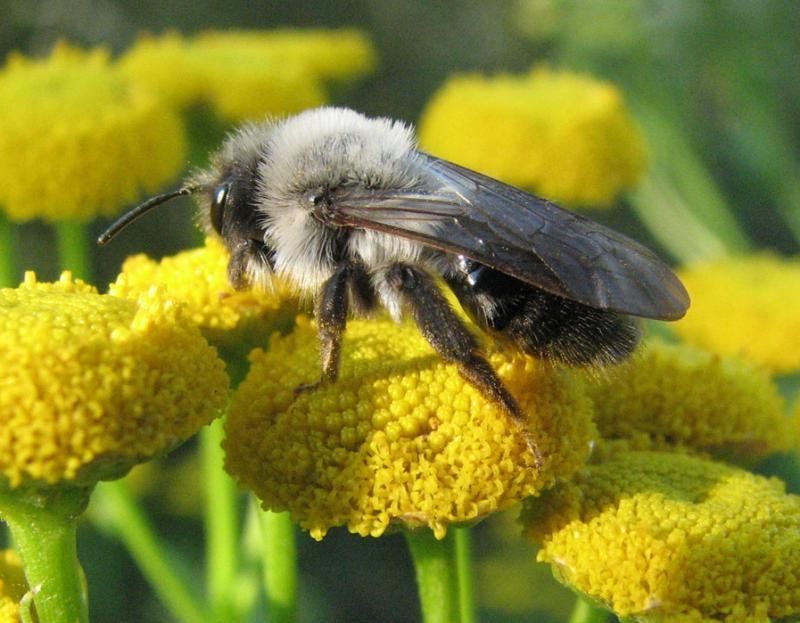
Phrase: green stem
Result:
[280,566]
[118,512]
[74,248]
[671,220]
[44,529]
[8,264]
[679,202]
[466,582]
[585,612]
[436,576]
[222,519]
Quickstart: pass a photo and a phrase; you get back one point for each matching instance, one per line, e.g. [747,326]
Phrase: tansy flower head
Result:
[164,64]
[664,537]
[748,306]
[12,586]
[77,139]
[400,437]
[93,384]
[198,279]
[328,55]
[683,395]
[246,74]
[562,135]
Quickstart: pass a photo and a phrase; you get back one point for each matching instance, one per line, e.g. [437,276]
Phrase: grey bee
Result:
[347,209]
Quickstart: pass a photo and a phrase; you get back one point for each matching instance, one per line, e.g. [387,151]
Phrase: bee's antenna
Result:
[129,217]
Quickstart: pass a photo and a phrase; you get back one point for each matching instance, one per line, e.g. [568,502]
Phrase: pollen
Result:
[93,384]
[248,74]
[658,536]
[399,438]
[198,279]
[748,307]
[694,398]
[561,135]
[78,140]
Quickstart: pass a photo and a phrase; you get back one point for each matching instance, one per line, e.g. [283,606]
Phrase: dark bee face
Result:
[233,214]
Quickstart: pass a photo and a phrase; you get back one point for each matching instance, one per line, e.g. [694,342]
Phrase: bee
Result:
[351,212]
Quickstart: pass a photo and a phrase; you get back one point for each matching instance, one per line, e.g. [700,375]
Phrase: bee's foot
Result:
[307,387]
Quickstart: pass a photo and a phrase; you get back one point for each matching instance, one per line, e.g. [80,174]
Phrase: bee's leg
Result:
[331,313]
[451,339]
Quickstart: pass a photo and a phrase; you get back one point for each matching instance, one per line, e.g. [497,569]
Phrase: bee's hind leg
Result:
[447,334]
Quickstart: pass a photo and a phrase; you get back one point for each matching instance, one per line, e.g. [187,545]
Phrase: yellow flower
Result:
[400,438]
[93,384]
[156,61]
[12,586]
[78,140]
[664,537]
[198,279]
[748,307]
[686,396]
[329,55]
[562,135]
[245,74]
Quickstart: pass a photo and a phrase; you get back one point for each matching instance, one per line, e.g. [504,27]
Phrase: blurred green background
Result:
[714,84]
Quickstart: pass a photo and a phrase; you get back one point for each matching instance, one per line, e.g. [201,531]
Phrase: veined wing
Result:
[529,238]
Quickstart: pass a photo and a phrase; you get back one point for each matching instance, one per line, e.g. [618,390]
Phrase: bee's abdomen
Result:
[542,324]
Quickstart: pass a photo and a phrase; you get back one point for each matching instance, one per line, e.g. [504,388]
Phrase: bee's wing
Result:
[529,238]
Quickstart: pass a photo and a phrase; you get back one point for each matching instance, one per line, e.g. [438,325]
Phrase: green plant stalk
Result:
[585,612]
[118,512]
[221,520]
[436,575]
[73,249]
[8,264]
[678,201]
[44,528]
[466,582]
[671,220]
[280,566]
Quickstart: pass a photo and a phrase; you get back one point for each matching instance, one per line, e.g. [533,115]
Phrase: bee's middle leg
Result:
[331,309]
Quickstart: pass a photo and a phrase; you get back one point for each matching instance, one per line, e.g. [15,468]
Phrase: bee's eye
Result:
[218,206]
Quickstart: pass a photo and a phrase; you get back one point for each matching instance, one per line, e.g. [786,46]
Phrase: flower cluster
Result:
[78,139]
[679,395]
[198,279]
[565,136]
[660,536]
[401,437]
[94,384]
[654,530]
[245,74]
[747,306]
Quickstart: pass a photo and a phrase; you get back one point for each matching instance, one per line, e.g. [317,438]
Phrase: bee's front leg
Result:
[331,313]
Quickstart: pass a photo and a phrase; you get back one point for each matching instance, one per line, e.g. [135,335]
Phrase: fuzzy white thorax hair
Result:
[321,149]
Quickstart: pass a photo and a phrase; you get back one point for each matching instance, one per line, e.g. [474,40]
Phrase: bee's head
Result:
[226,193]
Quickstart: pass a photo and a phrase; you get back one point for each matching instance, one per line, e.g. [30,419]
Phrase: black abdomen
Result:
[539,323]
